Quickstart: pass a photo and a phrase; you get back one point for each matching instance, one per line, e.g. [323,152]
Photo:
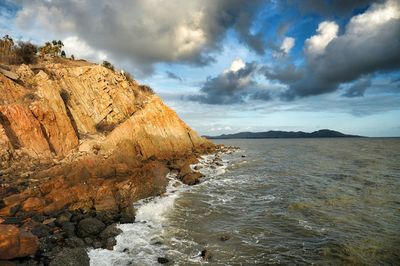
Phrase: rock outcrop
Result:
[86,141]
[15,242]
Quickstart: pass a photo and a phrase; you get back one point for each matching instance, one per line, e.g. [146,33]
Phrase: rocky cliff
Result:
[80,138]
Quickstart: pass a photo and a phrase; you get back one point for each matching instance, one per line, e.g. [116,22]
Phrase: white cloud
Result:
[287,45]
[145,32]
[80,49]
[327,31]
[378,15]
[236,65]
[370,44]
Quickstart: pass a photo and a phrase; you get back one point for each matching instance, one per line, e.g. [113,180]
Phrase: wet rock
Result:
[13,220]
[162,260]
[71,257]
[38,218]
[110,243]
[127,215]
[41,230]
[192,178]
[243,156]
[16,243]
[108,218]
[198,167]
[68,229]
[224,238]
[74,242]
[97,244]
[206,254]
[110,231]
[88,241]
[63,218]
[90,227]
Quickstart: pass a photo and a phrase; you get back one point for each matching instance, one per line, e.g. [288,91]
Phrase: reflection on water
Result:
[300,201]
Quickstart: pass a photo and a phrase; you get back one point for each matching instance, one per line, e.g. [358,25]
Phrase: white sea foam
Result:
[141,243]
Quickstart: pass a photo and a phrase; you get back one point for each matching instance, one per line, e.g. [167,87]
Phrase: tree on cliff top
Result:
[52,48]
[21,53]
[108,65]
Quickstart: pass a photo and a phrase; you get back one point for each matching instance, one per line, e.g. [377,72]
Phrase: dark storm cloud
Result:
[173,76]
[358,88]
[229,87]
[148,32]
[284,74]
[328,7]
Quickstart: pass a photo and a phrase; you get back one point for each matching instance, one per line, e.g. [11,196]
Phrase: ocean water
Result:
[288,201]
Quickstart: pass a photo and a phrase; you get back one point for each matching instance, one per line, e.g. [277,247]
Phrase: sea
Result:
[274,202]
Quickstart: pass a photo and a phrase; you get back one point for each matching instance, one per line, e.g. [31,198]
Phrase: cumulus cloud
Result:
[285,48]
[370,43]
[230,87]
[80,49]
[147,31]
[327,31]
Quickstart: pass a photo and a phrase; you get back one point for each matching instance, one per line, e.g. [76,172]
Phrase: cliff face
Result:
[54,108]
[84,137]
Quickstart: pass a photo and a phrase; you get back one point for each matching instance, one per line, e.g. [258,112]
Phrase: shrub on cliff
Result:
[21,53]
[108,65]
[25,53]
[146,88]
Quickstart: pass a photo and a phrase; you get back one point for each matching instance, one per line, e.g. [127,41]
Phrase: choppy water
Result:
[299,201]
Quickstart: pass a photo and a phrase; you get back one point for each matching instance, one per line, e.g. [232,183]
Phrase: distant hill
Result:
[323,133]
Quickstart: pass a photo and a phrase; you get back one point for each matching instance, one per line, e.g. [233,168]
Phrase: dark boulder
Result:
[162,260]
[110,231]
[41,230]
[192,178]
[63,218]
[127,215]
[90,227]
[206,254]
[71,257]
[74,242]
[224,238]
[68,229]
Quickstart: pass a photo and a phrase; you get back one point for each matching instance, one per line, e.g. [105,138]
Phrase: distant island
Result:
[272,134]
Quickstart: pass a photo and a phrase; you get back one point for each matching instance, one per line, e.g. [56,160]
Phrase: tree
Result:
[25,53]
[108,65]
[72,57]
[63,54]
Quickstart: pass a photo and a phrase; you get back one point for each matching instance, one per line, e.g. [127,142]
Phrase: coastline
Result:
[64,233]
[142,242]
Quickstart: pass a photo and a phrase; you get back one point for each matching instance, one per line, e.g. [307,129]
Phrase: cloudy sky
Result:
[235,65]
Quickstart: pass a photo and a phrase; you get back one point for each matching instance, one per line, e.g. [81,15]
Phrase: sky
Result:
[234,65]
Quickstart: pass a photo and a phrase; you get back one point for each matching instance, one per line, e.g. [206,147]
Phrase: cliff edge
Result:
[82,139]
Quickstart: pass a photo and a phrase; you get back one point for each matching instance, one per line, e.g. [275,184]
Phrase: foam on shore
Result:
[141,243]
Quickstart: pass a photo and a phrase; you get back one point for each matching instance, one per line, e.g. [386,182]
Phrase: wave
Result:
[141,243]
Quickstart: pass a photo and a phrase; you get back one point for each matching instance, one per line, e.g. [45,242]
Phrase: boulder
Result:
[110,231]
[192,178]
[90,227]
[71,257]
[16,243]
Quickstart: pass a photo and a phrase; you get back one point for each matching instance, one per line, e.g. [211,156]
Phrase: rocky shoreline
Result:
[79,143]
[61,237]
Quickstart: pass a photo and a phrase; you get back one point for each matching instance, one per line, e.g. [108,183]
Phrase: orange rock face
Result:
[23,130]
[16,243]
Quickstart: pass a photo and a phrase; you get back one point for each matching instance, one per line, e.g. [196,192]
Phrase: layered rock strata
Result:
[84,140]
